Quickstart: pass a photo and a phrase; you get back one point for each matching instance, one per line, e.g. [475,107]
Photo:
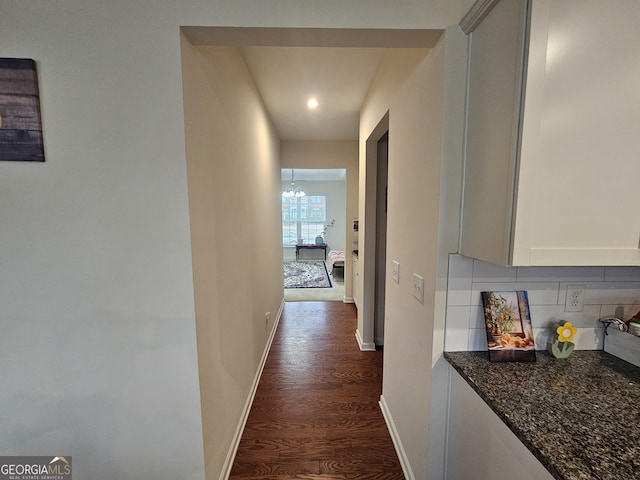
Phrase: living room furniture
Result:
[311,246]
[335,263]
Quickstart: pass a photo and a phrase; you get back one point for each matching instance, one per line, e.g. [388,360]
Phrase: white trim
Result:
[365,347]
[228,462]
[465,127]
[584,256]
[447,421]
[348,300]
[476,14]
[402,455]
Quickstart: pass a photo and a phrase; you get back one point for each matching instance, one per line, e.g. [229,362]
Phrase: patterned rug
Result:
[306,274]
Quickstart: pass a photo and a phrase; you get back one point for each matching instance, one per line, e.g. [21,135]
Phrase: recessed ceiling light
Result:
[312,103]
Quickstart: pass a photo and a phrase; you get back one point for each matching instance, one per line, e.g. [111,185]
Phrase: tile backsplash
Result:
[609,291]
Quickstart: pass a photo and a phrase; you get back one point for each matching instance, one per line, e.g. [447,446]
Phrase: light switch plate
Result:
[395,272]
[418,287]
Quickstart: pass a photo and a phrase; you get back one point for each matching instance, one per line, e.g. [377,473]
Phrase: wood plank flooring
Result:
[316,414]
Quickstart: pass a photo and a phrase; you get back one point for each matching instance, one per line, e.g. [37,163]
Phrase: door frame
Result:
[368,267]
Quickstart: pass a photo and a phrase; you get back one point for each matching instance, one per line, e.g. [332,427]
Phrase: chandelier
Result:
[293,191]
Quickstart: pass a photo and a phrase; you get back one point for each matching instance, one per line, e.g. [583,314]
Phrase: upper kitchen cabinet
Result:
[552,164]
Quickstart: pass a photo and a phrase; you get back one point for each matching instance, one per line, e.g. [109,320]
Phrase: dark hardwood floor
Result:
[316,414]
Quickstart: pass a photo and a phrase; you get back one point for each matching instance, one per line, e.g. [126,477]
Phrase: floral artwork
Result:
[508,324]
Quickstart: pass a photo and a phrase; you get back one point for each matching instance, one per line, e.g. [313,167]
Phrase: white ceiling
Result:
[339,78]
[336,65]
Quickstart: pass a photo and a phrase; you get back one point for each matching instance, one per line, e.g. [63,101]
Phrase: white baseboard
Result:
[348,300]
[402,455]
[231,454]
[365,347]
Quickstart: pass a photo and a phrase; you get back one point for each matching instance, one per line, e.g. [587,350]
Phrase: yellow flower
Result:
[566,332]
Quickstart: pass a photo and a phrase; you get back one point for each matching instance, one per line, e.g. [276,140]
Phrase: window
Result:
[303,218]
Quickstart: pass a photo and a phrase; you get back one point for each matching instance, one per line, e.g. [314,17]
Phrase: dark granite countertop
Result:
[579,416]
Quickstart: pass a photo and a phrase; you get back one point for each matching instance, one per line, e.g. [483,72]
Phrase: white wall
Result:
[98,351]
[609,291]
[233,168]
[415,125]
[455,63]
[98,345]
[409,86]
[397,65]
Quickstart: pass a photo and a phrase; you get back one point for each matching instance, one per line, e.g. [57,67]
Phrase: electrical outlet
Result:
[395,272]
[267,317]
[418,287]
[575,298]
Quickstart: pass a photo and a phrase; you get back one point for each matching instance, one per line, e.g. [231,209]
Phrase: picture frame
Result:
[21,136]
[508,325]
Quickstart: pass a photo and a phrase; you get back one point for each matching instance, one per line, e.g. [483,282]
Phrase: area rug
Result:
[306,274]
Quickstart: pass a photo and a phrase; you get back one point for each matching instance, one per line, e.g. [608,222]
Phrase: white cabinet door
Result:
[478,440]
[579,198]
[553,149]
[497,48]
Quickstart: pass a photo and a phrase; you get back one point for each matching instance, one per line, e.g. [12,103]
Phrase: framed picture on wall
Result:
[20,123]
[508,323]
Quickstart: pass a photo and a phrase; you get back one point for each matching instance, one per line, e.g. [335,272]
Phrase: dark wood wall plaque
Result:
[20,123]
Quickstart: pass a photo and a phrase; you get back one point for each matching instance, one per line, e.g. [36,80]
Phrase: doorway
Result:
[382,186]
[313,233]
[375,236]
